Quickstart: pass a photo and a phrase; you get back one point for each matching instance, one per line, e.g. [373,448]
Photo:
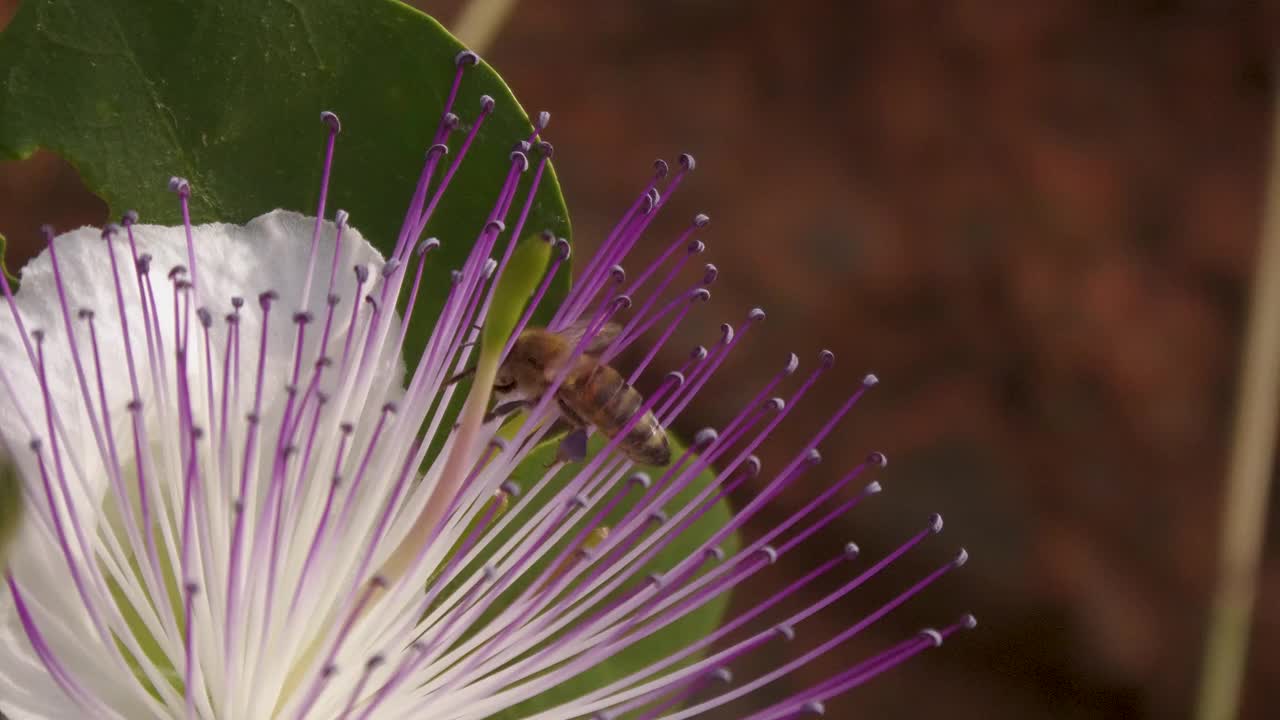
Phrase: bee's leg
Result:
[570,415]
[573,448]
[506,408]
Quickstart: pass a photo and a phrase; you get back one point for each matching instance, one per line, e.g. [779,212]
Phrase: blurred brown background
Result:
[1035,221]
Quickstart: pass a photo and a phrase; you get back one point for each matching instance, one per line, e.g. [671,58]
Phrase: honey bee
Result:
[592,394]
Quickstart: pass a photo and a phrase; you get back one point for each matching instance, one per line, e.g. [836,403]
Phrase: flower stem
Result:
[1248,472]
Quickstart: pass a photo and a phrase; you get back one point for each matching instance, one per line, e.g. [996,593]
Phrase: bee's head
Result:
[504,383]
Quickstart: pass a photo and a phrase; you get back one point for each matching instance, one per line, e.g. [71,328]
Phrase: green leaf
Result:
[227,93]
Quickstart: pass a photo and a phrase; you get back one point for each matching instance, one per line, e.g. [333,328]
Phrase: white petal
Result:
[271,252]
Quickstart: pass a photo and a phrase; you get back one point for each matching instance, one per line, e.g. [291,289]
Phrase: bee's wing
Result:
[597,343]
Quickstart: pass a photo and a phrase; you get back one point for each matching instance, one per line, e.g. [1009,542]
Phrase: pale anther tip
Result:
[661,168]
[130,217]
[787,632]
[687,161]
[793,363]
[813,456]
[878,459]
[696,247]
[701,220]
[705,437]
[756,314]
[487,103]
[522,159]
[427,246]
[851,550]
[870,380]
[874,487]
[451,121]
[622,302]
[770,553]
[701,294]
[698,353]
[815,707]
[935,523]
[109,229]
[341,218]
[723,674]
[440,148]
[968,621]
[726,333]
[826,358]
[563,248]
[962,557]
[331,119]
[466,57]
[933,636]
[545,149]
[753,465]
[675,377]
[642,479]
[544,119]
[709,272]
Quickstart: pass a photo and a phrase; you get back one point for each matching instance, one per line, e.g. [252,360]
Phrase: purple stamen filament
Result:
[289,551]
